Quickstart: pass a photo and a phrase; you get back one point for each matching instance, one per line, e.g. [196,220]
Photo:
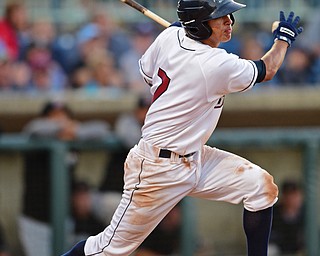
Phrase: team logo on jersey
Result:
[220,102]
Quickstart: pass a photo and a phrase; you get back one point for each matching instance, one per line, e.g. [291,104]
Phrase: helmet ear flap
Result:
[198,30]
[207,28]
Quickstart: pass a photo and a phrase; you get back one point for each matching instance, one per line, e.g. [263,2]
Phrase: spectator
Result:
[287,235]
[47,74]
[41,32]
[111,187]
[88,38]
[65,51]
[104,74]
[14,75]
[14,21]
[84,221]
[88,41]
[233,46]
[5,71]
[143,35]
[296,69]
[166,237]
[4,250]
[55,121]
[252,48]
[116,41]
[20,77]
[311,41]
[80,77]
[134,120]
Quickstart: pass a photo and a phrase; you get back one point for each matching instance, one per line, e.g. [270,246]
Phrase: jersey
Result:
[188,81]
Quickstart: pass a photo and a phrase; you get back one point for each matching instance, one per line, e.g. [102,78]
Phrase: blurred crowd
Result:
[38,56]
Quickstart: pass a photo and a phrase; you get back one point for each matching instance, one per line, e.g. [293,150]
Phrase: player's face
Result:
[221,31]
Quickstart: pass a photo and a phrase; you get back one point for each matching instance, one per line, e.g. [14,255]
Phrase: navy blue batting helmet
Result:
[195,14]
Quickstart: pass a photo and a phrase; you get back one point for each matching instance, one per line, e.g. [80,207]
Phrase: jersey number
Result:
[163,86]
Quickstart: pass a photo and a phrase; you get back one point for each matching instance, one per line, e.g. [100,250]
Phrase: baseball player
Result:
[189,78]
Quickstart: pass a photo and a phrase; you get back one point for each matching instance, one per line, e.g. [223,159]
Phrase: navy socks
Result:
[77,250]
[257,227]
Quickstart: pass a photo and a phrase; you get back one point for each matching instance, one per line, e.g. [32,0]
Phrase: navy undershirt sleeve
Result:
[261,66]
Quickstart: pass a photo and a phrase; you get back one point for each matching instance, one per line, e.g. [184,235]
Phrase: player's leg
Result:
[152,188]
[230,178]
[257,227]
[136,216]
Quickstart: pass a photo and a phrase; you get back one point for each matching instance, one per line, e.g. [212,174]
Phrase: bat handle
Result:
[135,5]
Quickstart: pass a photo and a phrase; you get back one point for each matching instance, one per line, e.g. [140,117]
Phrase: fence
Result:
[308,140]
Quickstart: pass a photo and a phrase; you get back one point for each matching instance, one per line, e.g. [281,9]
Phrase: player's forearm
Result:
[273,59]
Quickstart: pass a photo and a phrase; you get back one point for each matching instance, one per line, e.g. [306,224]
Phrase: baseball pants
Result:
[154,185]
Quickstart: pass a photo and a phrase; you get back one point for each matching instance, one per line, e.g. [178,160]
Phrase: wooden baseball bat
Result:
[147,12]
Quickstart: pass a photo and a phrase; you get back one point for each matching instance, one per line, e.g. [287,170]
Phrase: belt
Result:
[165,153]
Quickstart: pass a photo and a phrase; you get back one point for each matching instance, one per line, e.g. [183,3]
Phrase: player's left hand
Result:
[288,29]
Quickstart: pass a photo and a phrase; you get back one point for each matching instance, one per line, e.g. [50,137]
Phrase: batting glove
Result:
[287,30]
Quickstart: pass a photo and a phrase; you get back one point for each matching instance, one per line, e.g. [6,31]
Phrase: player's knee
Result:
[263,193]
[263,183]
[271,188]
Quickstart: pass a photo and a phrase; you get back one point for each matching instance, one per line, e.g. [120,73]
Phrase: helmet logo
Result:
[188,22]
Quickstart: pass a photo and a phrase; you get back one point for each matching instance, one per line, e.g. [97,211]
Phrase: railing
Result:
[308,140]
[60,190]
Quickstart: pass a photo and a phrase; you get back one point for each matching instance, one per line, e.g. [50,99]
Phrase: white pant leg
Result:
[231,178]
[153,186]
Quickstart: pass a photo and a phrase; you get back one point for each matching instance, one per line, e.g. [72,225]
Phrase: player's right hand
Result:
[288,29]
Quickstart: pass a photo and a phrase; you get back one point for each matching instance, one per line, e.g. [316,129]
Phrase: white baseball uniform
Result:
[189,81]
